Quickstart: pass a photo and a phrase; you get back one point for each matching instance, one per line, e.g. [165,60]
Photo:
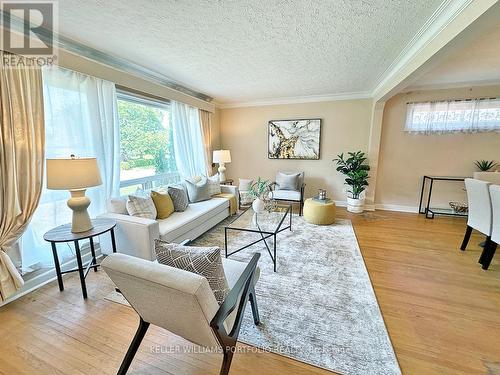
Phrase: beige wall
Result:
[404,158]
[345,127]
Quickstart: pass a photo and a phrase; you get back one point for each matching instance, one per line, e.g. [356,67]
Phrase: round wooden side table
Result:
[63,233]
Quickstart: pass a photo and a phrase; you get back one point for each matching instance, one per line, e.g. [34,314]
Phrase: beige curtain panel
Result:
[206,129]
[22,147]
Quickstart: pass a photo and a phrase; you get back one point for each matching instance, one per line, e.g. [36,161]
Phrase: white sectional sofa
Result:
[135,236]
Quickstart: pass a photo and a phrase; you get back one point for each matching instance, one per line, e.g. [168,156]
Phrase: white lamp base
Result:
[222,172]
[79,204]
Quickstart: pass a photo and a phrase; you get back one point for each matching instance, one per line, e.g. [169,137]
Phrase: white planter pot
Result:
[258,205]
[355,205]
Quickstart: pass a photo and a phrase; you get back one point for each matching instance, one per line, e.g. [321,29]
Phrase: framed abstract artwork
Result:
[294,139]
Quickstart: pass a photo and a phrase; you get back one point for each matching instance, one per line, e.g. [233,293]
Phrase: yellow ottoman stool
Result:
[319,213]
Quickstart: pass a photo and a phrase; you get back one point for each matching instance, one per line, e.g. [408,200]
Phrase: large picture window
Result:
[146,148]
[470,116]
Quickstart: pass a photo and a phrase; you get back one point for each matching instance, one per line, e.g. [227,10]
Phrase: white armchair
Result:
[287,195]
[480,213]
[183,303]
[491,246]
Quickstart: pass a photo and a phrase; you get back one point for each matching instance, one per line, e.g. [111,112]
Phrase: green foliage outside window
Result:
[144,141]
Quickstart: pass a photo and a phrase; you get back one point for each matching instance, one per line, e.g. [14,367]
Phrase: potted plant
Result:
[259,190]
[485,165]
[356,172]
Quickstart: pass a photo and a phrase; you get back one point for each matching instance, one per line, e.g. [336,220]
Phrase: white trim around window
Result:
[453,116]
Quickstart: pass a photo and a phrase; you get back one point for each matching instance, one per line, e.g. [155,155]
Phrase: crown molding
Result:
[452,85]
[296,100]
[440,19]
[119,63]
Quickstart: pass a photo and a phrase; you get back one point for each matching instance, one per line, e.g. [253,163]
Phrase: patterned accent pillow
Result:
[197,191]
[179,197]
[214,185]
[141,207]
[204,261]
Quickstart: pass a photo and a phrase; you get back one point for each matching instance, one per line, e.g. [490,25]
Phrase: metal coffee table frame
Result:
[263,233]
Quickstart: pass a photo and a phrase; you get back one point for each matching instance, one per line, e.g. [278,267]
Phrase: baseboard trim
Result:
[49,276]
[396,207]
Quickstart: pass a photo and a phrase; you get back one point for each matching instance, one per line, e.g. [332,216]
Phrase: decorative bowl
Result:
[459,207]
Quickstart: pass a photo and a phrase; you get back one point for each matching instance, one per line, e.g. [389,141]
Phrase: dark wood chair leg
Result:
[253,304]
[468,232]
[226,362]
[488,257]
[485,247]
[134,345]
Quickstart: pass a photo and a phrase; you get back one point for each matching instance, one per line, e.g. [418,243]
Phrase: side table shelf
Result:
[429,211]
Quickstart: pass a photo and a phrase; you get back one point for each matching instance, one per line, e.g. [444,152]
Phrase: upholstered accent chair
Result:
[288,194]
[480,211]
[183,303]
[491,246]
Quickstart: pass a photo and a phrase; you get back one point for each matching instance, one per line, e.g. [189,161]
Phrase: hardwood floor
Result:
[441,309]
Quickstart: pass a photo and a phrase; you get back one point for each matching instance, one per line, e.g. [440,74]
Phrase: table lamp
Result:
[76,175]
[221,157]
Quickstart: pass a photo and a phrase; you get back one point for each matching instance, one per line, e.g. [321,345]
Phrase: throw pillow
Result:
[163,204]
[117,205]
[204,261]
[287,181]
[141,207]
[214,185]
[245,184]
[197,191]
[179,197]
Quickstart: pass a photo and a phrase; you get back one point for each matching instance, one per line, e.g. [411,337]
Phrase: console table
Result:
[63,233]
[430,211]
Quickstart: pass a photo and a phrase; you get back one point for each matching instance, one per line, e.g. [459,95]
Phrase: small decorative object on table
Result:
[459,207]
[261,190]
[322,194]
[321,197]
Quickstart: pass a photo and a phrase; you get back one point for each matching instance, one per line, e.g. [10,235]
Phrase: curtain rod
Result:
[128,90]
[452,100]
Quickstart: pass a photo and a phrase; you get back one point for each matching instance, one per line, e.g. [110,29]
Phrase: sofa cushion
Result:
[290,195]
[179,197]
[181,222]
[163,203]
[197,190]
[204,261]
[287,181]
[214,185]
[141,207]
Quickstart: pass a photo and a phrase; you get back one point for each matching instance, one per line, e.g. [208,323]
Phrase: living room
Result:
[250,188]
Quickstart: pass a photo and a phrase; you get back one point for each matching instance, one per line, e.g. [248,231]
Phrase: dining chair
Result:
[479,201]
[491,246]
[183,303]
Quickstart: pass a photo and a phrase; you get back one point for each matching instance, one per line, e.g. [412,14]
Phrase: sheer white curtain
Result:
[189,147]
[469,116]
[81,118]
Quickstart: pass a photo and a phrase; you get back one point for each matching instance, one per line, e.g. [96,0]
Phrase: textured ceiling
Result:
[251,50]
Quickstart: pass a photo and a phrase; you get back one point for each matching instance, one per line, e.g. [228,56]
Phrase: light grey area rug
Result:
[319,307]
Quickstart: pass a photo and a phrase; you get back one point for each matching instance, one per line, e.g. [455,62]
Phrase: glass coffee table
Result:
[267,224]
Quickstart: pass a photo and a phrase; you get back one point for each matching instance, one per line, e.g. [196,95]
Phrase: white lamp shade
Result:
[72,174]
[222,156]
